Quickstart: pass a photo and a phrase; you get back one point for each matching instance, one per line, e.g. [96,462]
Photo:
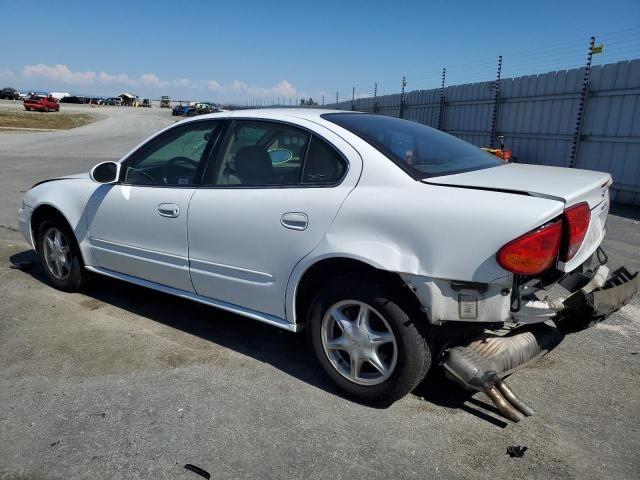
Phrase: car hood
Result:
[66,177]
[570,186]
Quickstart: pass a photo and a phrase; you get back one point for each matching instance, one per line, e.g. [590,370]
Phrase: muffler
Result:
[479,364]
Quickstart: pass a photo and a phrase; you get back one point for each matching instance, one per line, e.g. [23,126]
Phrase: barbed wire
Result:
[619,45]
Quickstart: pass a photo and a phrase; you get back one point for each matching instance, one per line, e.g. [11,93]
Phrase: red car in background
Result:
[41,103]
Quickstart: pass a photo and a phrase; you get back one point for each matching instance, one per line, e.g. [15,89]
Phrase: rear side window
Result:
[323,164]
[271,154]
[262,154]
[421,151]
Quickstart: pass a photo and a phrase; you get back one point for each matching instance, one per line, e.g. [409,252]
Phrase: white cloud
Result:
[238,87]
[183,82]
[63,74]
[214,86]
[60,73]
[122,78]
[151,80]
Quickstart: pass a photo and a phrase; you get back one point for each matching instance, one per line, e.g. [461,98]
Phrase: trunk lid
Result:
[569,186]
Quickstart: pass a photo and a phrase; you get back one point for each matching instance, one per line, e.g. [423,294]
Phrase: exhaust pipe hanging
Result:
[501,403]
[477,365]
[513,399]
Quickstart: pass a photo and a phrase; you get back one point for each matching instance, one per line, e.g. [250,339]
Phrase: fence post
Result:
[582,104]
[496,103]
[441,108]
[353,99]
[404,84]
[375,97]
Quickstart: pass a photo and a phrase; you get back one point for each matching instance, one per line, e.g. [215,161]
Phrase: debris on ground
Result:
[198,470]
[516,452]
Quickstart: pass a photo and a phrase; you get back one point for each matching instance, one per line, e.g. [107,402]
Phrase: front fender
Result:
[69,197]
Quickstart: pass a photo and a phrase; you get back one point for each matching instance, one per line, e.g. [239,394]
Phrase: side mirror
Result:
[105,172]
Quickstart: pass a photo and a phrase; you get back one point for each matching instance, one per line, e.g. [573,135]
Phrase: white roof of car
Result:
[274,113]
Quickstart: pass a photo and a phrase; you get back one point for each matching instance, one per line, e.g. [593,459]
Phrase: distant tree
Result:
[302,101]
[311,102]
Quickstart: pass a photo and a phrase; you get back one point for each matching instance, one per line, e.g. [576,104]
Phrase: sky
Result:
[260,51]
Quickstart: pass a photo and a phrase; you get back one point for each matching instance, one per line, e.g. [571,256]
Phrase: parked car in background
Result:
[177,110]
[41,103]
[190,110]
[146,103]
[113,101]
[316,220]
[74,99]
[9,93]
[203,108]
[165,102]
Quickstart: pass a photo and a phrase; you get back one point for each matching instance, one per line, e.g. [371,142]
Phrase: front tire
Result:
[368,342]
[60,256]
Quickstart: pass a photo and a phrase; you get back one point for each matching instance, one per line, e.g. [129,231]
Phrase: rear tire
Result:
[60,256]
[375,364]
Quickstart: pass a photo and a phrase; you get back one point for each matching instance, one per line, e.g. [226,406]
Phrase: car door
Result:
[138,226]
[271,196]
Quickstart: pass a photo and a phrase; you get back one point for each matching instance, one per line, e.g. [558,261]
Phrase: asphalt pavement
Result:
[124,382]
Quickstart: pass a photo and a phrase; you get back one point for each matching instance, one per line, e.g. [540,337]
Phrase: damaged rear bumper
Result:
[591,298]
[480,363]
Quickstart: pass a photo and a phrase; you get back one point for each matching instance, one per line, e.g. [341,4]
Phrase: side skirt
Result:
[229,307]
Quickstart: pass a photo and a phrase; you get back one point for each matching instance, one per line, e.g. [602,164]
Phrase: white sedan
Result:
[394,245]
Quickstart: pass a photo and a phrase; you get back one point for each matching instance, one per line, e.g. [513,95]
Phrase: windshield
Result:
[421,151]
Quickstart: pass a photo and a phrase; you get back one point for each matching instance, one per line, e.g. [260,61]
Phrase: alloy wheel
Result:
[57,253]
[359,342]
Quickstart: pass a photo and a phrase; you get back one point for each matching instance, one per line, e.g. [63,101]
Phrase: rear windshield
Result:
[421,151]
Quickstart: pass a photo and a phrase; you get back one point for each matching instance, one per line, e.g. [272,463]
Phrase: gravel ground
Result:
[123,382]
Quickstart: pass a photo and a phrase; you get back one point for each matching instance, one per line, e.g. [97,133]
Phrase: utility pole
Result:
[441,109]
[496,103]
[404,84]
[375,97]
[582,104]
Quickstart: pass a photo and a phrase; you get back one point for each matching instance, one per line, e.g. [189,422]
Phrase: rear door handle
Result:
[170,210]
[294,220]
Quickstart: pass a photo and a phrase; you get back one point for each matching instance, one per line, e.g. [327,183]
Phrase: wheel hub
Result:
[57,254]
[359,342]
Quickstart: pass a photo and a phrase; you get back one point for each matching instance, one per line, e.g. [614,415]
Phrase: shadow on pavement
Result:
[286,351]
[627,211]
[439,390]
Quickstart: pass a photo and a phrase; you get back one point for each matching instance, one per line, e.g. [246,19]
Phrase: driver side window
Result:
[173,157]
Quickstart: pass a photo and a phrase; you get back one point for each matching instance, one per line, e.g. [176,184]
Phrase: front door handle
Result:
[295,220]
[170,210]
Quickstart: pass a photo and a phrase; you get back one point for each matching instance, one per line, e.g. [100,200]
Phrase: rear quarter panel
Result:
[434,231]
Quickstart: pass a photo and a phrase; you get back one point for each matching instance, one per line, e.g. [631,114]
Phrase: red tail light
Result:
[577,219]
[533,252]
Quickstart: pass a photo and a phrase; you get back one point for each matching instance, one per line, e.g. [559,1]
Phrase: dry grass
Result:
[11,119]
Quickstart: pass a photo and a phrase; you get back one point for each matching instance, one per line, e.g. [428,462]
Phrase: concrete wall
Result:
[537,115]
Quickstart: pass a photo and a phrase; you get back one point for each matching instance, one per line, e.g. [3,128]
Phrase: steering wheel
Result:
[178,161]
[143,173]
